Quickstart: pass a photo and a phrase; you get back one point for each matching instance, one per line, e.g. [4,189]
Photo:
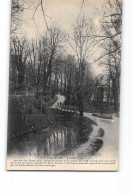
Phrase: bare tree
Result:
[19,53]
[81,42]
[16,10]
[110,41]
[51,44]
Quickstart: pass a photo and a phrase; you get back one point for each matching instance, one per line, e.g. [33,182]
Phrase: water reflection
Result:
[58,139]
[56,142]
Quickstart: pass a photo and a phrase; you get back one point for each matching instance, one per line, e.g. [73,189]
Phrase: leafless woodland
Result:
[62,71]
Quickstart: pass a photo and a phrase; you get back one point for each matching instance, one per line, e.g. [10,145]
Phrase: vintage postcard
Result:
[64,85]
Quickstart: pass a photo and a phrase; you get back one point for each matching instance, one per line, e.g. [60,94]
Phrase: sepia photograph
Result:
[64,85]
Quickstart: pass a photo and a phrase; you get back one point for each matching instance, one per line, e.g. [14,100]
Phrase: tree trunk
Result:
[80,104]
[115,96]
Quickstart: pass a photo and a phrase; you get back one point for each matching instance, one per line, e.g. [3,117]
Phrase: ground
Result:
[109,150]
[110,138]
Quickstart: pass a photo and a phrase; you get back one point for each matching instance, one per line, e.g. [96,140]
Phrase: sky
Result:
[63,13]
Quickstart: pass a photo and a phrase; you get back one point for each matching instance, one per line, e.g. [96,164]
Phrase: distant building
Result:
[99,94]
[102,94]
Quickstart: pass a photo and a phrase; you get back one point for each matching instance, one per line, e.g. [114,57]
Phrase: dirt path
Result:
[110,139]
[61,99]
